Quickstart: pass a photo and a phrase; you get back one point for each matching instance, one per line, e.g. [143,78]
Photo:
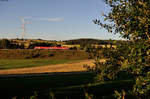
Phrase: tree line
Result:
[7,44]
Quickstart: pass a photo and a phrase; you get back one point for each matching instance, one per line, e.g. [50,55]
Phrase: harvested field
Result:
[66,67]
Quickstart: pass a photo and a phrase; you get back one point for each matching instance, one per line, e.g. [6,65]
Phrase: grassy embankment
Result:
[71,86]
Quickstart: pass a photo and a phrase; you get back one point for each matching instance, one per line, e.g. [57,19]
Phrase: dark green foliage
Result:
[84,42]
[21,46]
[31,46]
[73,48]
[129,18]
[51,55]
[93,51]
[7,44]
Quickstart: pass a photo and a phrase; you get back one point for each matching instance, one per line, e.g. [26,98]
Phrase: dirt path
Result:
[66,67]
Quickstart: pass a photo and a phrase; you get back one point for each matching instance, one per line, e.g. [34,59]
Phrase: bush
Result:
[31,46]
[7,44]
[129,18]
[51,55]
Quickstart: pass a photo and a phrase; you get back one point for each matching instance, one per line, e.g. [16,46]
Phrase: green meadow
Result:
[25,63]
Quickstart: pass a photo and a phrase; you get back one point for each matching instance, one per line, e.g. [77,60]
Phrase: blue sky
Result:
[53,19]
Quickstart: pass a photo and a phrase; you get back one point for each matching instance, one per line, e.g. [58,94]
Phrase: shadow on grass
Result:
[70,85]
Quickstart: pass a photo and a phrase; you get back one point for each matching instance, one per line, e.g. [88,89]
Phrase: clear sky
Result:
[53,19]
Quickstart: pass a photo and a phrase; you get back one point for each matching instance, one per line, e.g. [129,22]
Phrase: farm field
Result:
[27,63]
[42,66]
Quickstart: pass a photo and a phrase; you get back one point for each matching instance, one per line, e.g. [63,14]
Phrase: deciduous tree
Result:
[131,19]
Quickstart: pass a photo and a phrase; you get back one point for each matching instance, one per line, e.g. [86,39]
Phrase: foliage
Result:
[88,96]
[35,96]
[86,41]
[51,95]
[73,48]
[31,46]
[93,51]
[112,66]
[129,18]
[7,44]
[120,95]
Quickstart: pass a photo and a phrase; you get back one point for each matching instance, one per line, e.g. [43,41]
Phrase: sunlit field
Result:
[27,63]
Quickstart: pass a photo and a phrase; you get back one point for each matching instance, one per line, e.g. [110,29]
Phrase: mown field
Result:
[62,86]
[27,63]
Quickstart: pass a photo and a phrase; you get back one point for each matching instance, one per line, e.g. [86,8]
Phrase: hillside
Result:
[83,41]
[72,44]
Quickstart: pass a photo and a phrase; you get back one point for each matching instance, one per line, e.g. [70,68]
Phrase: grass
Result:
[71,86]
[22,63]
[26,85]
